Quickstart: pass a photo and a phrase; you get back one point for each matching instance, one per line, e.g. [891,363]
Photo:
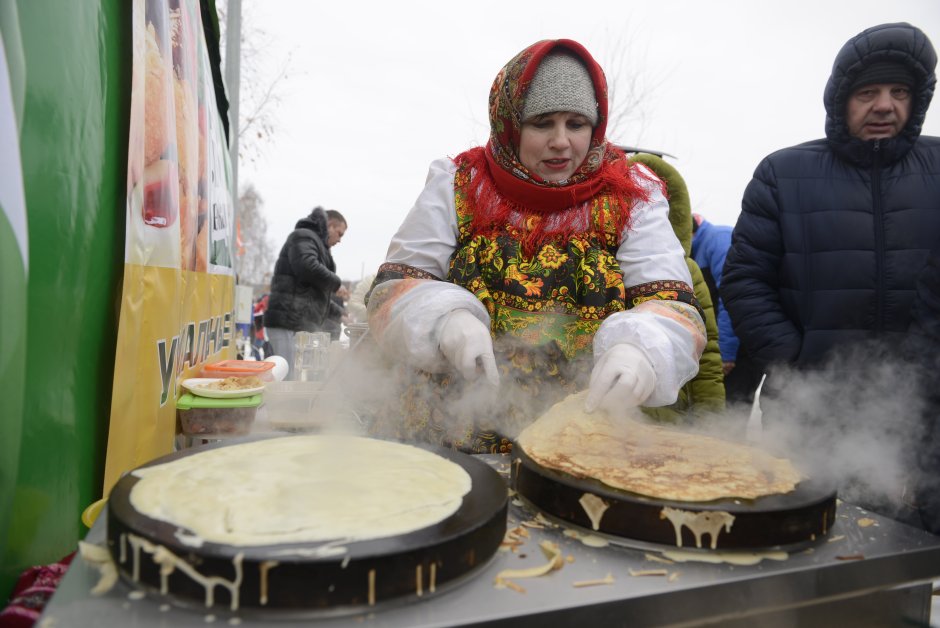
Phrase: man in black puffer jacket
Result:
[820,277]
[303,282]
[834,231]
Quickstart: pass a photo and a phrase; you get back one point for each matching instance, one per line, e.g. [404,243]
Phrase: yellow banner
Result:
[177,311]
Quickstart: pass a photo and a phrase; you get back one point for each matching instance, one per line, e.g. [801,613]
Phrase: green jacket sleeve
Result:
[706,392]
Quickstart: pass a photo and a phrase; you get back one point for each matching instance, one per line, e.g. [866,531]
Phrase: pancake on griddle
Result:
[652,460]
[302,489]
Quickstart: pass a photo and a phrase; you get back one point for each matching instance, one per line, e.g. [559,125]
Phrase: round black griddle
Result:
[792,519]
[300,578]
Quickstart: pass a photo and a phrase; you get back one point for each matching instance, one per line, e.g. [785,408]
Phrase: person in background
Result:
[303,282]
[820,277]
[540,265]
[833,232]
[259,337]
[710,245]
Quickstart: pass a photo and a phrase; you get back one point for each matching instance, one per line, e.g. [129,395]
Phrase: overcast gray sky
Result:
[377,90]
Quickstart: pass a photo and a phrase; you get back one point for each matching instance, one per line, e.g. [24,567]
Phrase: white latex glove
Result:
[622,378]
[467,344]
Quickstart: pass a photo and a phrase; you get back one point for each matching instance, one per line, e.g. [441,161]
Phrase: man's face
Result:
[878,111]
[335,232]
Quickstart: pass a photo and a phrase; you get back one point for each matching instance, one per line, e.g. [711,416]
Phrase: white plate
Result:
[198,386]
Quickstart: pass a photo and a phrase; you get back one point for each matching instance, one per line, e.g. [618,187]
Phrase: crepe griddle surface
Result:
[332,577]
[795,518]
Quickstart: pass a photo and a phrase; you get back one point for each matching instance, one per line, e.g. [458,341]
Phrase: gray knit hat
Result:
[561,83]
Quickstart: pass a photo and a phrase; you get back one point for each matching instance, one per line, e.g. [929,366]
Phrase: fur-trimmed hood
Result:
[316,222]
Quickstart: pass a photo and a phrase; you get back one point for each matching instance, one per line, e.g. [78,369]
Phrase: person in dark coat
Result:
[832,232]
[303,282]
[820,277]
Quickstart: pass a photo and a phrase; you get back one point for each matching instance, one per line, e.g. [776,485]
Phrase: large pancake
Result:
[652,460]
[302,489]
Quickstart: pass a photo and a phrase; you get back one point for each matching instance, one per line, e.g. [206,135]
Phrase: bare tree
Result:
[630,85]
[260,87]
[255,254]
[259,97]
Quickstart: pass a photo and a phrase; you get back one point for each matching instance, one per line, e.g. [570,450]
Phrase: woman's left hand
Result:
[622,378]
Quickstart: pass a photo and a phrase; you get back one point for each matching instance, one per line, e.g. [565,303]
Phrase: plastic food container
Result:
[204,416]
[240,368]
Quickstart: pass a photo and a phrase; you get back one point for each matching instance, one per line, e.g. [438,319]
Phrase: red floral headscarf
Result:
[501,186]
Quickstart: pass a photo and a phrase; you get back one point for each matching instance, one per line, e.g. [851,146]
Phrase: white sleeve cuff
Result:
[404,318]
[667,341]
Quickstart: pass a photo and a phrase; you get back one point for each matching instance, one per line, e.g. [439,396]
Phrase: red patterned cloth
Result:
[32,592]
[501,186]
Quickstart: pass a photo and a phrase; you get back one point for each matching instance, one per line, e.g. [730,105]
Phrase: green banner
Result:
[13,272]
[70,77]
[65,120]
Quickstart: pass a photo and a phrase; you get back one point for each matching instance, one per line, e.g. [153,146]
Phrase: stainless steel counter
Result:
[870,571]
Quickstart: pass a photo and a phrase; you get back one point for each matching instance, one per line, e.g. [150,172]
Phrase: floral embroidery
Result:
[489,252]
[532,287]
[550,257]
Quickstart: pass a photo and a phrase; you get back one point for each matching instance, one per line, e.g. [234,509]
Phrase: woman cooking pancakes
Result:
[534,267]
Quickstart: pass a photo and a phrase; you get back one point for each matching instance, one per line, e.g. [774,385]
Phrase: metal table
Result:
[870,571]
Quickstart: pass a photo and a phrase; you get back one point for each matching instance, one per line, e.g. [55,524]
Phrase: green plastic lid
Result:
[189,401]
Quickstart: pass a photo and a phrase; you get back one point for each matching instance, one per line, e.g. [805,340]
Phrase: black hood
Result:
[316,222]
[897,43]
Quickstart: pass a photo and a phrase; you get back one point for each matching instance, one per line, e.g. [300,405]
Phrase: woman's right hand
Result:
[467,344]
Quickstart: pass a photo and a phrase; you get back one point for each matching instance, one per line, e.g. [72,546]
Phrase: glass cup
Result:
[311,355]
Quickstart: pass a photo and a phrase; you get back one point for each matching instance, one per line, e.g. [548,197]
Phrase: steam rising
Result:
[373,382]
[854,424]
